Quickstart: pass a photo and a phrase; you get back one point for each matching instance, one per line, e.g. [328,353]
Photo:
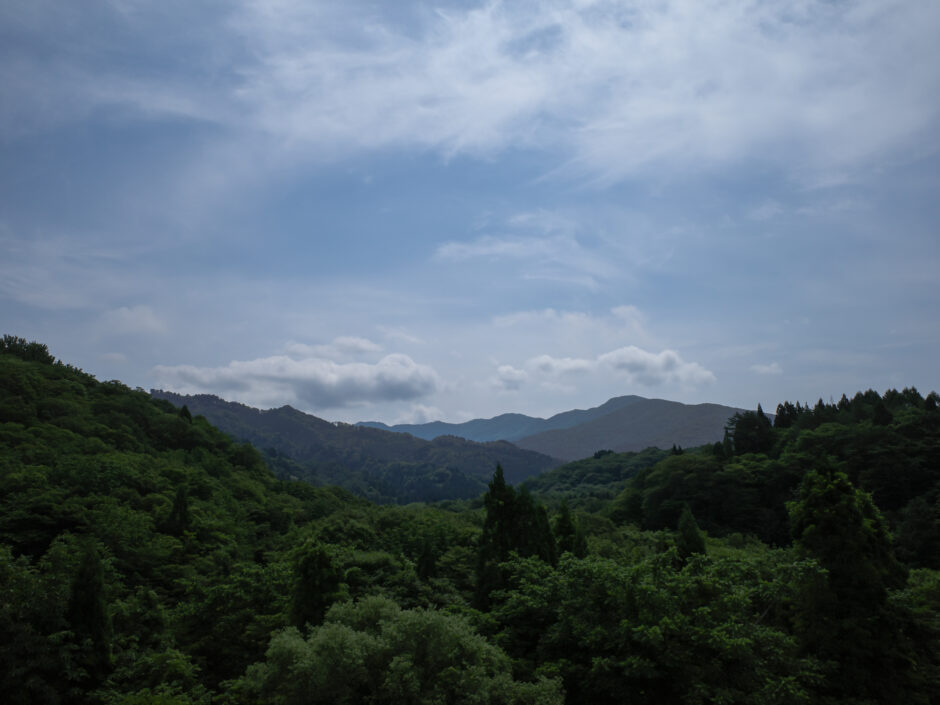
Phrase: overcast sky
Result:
[406,211]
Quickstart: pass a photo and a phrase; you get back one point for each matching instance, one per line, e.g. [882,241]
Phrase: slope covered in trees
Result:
[147,557]
[379,465]
[648,423]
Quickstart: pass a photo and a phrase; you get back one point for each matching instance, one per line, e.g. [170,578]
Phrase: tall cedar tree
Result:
[689,539]
[568,534]
[514,523]
[846,621]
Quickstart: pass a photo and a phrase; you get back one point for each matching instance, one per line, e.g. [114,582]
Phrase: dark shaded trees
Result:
[514,523]
[845,620]
[88,618]
[750,432]
[317,585]
[568,535]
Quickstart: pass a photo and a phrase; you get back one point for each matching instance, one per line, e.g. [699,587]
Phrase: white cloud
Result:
[556,366]
[509,378]
[651,369]
[632,364]
[817,88]
[767,369]
[312,382]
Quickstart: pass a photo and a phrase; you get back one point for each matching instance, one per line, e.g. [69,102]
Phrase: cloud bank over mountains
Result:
[311,382]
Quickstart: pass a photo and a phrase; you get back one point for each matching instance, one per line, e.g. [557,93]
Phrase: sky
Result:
[410,211]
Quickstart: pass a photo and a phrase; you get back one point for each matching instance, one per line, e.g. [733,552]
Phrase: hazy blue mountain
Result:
[380,465]
[634,427]
[508,427]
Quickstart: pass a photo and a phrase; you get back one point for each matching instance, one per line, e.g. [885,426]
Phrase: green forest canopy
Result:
[147,557]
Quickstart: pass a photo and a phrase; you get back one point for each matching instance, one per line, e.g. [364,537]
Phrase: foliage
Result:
[514,524]
[380,465]
[146,557]
[373,651]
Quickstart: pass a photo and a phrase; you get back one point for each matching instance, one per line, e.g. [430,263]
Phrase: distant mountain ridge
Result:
[508,427]
[653,423]
[380,465]
[627,423]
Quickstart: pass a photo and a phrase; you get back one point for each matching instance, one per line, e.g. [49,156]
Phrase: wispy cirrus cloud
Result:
[132,320]
[560,258]
[770,368]
[611,89]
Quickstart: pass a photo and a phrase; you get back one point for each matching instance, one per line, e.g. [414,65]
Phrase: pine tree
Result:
[568,534]
[689,539]
[514,523]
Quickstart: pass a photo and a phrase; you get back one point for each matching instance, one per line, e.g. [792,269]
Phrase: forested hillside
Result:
[147,557]
[648,423]
[379,465]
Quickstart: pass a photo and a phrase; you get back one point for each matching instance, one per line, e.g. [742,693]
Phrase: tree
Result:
[317,585]
[750,432]
[30,351]
[373,651]
[88,616]
[845,620]
[514,523]
[568,534]
[689,539]
[179,513]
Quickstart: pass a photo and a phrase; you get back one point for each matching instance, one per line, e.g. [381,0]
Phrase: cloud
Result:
[581,332]
[610,89]
[508,378]
[418,414]
[313,382]
[114,357]
[343,346]
[767,369]
[632,364]
[556,366]
[651,369]
[134,320]
[540,245]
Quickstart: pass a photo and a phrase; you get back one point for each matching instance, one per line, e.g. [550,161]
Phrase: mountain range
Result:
[380,465]
[627,423]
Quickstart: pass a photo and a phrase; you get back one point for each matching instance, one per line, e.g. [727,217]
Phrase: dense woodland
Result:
[146,557]
[380,465]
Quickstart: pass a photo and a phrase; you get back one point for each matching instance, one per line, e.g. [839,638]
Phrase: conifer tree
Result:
[568,534]
[514,523]
[689,539]
[845,621]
